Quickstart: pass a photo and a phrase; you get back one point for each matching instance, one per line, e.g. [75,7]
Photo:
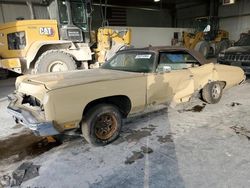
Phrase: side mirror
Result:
[166,68]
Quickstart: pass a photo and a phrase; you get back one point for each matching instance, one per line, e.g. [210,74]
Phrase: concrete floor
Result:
[192,145]
[7,86]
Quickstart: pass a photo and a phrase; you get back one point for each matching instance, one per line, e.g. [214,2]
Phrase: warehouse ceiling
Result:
[162,4]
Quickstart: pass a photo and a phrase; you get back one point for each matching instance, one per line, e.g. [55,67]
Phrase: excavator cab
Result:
[209,26]
[207,38]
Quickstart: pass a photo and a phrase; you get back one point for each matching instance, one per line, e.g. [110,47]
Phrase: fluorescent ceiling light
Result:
[157,0]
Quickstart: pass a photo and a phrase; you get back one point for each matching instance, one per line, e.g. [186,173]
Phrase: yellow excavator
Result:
[207,37]
[60,43]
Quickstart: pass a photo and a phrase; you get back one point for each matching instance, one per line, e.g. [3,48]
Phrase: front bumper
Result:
[30,118]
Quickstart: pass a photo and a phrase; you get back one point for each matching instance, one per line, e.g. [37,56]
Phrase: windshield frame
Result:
[133,51]
[83,9]
[64,16]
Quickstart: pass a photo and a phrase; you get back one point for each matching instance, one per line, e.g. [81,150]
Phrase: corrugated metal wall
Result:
[235,18]
[10,12]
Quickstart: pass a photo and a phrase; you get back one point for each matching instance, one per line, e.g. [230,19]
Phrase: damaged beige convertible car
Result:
[96,101]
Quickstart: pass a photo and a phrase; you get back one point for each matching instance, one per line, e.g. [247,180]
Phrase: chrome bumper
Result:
[30,118]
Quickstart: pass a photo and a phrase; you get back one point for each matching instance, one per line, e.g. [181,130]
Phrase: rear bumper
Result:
[30,118]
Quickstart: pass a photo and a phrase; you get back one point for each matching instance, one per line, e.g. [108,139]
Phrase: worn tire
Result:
[49,59]
[91,130]
[203,47]
[222,45]
[212,92]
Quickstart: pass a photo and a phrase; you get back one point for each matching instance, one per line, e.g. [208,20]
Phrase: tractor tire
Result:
[203,47]
[212,92]
[54,61]
[222,45]
[102,124]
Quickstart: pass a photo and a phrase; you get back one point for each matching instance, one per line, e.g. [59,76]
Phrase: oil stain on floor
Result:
[19,146]
[165,139]
[241,131]
[131,135]
[196,108]
[138,154]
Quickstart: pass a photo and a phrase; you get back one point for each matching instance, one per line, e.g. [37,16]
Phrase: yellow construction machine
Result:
[60,44]
[207,37]
[111,40]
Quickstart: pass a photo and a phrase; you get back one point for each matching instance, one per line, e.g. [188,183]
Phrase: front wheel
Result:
[203,47]
[54,61]
[102,124]
[212,92]
[222,46]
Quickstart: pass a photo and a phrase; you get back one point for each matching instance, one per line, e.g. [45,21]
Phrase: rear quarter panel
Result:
[230,74]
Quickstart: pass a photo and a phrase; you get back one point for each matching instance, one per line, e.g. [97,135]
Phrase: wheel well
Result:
[45,48]
[223,83]
[122,102]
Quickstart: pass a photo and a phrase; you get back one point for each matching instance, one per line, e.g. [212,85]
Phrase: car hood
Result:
[67,79]
[238,49]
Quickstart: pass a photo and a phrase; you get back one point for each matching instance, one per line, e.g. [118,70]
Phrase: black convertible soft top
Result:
[194,53]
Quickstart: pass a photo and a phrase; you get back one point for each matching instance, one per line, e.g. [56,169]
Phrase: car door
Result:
[172,80]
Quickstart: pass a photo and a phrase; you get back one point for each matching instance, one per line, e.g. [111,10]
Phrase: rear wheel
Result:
[203,47]
[102,124]
[212,92]
[54,61]
[223,45]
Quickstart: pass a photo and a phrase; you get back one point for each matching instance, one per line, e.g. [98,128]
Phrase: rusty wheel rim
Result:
[105,126]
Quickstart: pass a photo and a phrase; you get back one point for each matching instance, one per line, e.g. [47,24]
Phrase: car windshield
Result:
[243,41]
[131,61]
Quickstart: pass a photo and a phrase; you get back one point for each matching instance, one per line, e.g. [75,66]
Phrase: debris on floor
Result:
[233,104]
[196,108]
[24,172]
[5,181]
[138,154]
[146,150]
[31,145]
[241,131]
[167,138]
